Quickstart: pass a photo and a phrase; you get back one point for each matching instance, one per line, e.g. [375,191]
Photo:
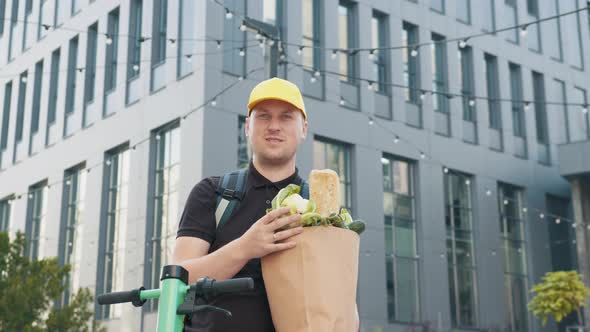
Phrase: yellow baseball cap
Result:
[278,89]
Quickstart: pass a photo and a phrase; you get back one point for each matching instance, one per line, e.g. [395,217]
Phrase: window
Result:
[160,24]
[37,88]
[411,68]
[540,108]
[234,52]
[311,56]
[5,214]
[76,6]
[493,90]
[90,72]
[337,157]
[438,5]
[587,12]
[347,40]
[460,249]
[5,121]
[13,24]
[467,83]
[572,29]
[553,32]
[439,73]
[517,104]
[186,32]
[135,39]
[113,229]
[380,59]
[269,11]
[71,229]
[35,222]
[110,82]
[2,15]
[45,19]
[20,116]
[61,11]
[533,30]
[164,178]
[244,148]
[53,90]
[401,256]
[510,20]
[464,11]
[26,35]
[512,236]
[579,121]
[489,15]
[71,86]
[559,87]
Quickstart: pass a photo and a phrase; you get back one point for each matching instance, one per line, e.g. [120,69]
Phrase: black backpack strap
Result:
[229,195]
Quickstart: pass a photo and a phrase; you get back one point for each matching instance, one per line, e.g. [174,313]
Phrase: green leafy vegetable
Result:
[289,197]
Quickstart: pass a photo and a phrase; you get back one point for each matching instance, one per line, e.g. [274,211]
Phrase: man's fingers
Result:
[279,236]
[284,221]
[267,219]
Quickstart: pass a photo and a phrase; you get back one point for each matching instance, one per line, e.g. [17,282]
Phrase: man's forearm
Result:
[221,264]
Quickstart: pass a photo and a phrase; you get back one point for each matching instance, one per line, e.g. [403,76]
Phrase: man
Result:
[276,125]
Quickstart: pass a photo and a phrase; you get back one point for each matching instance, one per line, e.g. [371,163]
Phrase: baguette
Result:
[324,190]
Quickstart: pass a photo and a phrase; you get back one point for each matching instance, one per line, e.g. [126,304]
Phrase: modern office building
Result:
[110,112]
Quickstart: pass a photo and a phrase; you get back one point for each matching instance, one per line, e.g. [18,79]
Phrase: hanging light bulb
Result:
[371,122]
[189,58]
[109,40]
[574,225]
[422,155]
[312,79]
[524,209]
[527,106]
[523,30]
[396,139]
[108,162]
[542,216]
[472,102]
[316,73]
[24,79]
[243,27]
[462,43]
[488,192]
[334,54]
[214,102]
[228,15]
[422,95]
[172,42]
[445,170]
[241,78]
[135,67]
[242,53]
[258,36]
[557,221]
[300,50]
[218,44]
[414,52]
[342,101]
[506,202]
[158,137]
[370,86]
[585,109]
[372,55]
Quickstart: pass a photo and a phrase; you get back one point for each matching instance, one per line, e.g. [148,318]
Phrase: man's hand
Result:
[262,238]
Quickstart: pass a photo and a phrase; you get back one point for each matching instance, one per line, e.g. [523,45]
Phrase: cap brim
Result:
[253,103]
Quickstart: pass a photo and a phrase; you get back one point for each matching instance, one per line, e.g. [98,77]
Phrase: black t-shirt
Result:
[250,311]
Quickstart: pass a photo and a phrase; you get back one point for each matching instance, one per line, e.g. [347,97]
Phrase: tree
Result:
[559,294]
[28,289]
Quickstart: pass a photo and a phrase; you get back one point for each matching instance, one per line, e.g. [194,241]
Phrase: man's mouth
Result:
[273,139]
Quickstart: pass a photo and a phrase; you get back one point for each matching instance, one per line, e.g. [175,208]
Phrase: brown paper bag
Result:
[312,287]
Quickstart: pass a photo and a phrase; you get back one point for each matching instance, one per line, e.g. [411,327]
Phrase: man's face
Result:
[275,129]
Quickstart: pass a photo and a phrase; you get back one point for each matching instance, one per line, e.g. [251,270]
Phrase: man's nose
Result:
[274,124]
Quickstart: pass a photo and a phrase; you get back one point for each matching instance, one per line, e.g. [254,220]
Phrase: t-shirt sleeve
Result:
[198,216]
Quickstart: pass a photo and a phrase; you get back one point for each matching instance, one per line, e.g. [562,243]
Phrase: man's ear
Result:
[247,126]
[304,131]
